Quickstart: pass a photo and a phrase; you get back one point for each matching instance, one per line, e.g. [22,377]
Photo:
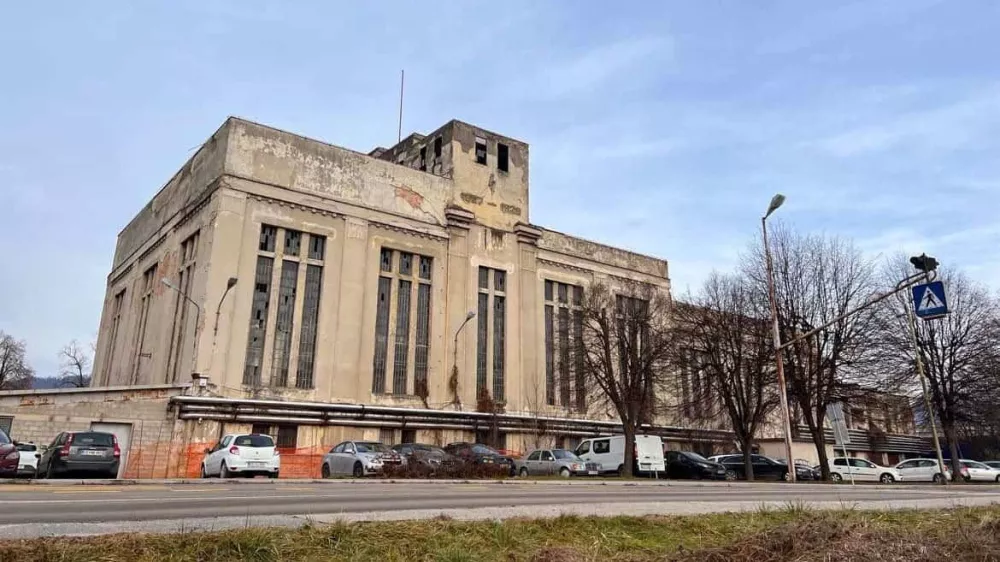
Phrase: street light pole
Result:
[454,349]
[197,318]
[776,202]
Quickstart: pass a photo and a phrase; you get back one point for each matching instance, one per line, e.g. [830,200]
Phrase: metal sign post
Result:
[841,435]
[929,302]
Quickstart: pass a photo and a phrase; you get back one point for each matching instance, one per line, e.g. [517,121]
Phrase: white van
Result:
[609,453]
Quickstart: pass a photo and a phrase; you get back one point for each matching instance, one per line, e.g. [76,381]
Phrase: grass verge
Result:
[794,533]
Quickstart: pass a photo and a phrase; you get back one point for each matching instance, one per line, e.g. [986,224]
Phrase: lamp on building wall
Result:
[197,318]
[776,202]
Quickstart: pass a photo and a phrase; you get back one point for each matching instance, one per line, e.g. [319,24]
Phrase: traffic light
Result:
[924,263]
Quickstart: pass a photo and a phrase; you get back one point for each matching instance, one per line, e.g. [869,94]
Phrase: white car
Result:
[862,470]
[358,458]
[28,463]
[979,472]
[922,470]
[242,454]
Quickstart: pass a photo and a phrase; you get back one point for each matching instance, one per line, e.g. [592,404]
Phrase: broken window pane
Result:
[293,242]
[317,246]
[500,280]
[401,351]
[307,334]
[425,267]
[386,258]
[258,321]
[423,332]
[502,157]
[480,151]
[381,335]
[268,235]
[484,278]
[283,323]
[405,263]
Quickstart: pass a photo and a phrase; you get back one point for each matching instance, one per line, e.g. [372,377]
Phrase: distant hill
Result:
[46,382]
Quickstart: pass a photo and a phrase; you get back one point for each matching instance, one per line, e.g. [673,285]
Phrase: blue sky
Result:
[663,127]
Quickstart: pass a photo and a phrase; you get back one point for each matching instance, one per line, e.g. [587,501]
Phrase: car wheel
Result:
[564,472]
[998,479]
[886,478]
[938,478]
[621,470]
[272,475]
[324,471]
[730,475]
[224,471]
[204,472]
[835,477]
[359,470]
[787,476]
[524,473]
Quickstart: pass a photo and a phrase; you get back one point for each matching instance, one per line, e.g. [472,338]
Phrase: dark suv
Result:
[91,452]
[477,453]
[9,456]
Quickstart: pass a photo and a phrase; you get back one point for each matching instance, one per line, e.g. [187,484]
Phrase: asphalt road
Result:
[34,510]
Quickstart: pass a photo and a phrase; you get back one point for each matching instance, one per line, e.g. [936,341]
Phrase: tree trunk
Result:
[952,436]
[629,451]
[747,462]
[819,440]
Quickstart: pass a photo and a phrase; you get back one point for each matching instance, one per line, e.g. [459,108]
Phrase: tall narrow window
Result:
[188,256]
[565,381]
[117,305]
[437,147]
[283,323]
[491,347]
[148,282]
[503,157]
[423,158]
[398,319]
[480,151]
[258,321]
[307,335]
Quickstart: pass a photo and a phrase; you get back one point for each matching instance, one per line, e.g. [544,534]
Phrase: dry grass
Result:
[765,536]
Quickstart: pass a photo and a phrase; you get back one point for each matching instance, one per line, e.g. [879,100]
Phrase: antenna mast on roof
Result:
[399,132]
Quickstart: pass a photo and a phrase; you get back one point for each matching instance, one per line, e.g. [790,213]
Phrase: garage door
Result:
[123,432]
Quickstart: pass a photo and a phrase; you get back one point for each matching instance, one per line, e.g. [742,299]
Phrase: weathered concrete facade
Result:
[322,243]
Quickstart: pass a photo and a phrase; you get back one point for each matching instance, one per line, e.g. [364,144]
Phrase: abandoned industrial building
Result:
[284,285]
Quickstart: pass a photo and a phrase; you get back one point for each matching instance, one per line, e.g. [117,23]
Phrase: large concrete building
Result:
[280,284]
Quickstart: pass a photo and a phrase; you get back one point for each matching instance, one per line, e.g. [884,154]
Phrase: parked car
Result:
[358,459]
[922,470]
[550,462]
[804,470]
[477,453]
[428,456]
[28,464]
[242,454]
[688,465]
[86,452]
[9,456]
[979,472]
[609,452]
[862,470]
[764,468]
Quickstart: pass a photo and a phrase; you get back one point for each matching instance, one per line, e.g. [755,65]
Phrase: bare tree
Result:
[818,279]
[75,365]
[15,374]
[958,352]
[723,332]
[625,346]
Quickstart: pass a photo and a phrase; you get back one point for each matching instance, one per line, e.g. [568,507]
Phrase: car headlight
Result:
[13,456]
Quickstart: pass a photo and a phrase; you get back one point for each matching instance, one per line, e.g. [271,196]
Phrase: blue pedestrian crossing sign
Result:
[929,300]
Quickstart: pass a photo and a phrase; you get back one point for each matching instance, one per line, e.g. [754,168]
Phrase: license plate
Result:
[644,465]
[720,471]
[255,464]
[94,453]
[592,473]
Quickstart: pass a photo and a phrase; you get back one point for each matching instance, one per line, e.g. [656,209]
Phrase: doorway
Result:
[123,433]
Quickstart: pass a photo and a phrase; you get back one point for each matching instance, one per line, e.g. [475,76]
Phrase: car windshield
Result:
[95,439]
[564,454]
[4,440]
[257,441]
[483,450]
[695,457]
[974,464]
[429,451]
[372,448]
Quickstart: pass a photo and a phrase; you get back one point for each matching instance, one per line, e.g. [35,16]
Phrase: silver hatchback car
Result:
[552,462]
[358,458]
